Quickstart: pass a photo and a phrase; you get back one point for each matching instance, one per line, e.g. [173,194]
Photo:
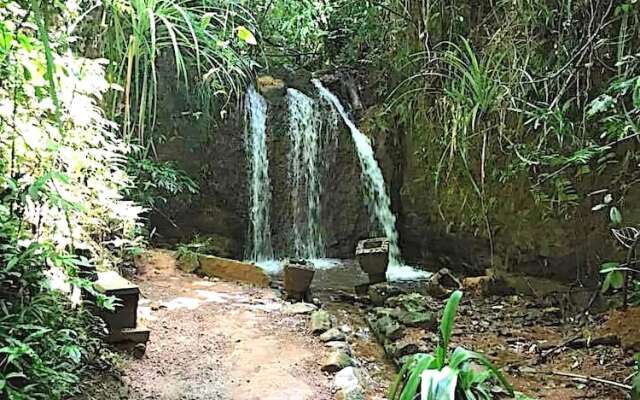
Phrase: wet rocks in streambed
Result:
[400,326]
[320,322]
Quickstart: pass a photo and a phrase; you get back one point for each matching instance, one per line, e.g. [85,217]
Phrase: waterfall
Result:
[305,124]
[259,247]
[377,199]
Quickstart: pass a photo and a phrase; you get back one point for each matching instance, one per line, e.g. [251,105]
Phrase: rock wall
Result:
[523,240]
[214,154]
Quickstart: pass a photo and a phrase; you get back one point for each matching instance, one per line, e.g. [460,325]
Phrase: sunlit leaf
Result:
[246,36]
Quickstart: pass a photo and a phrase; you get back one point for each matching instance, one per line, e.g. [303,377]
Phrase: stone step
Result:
[131,335]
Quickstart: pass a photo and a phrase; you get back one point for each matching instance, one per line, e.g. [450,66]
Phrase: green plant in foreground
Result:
[463,374]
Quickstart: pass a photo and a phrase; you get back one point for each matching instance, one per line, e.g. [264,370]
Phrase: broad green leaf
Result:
[615,216]
[446,324]
[600,104]
[616,279]
[608,267]
[246,36]
[439,384]
[422,362]
[461,356]
[635,389]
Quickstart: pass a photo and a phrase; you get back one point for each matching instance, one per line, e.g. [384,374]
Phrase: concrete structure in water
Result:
[122,322]
[298,275]
[373,257]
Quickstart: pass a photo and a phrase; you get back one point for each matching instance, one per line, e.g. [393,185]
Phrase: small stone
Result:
[425,320]
[388,328]
[352,394]
[346,379]
[344,346]
[380,292]
[336,361]
[320,322]
[401,348]
[139,350]
[299,308]
[333,335]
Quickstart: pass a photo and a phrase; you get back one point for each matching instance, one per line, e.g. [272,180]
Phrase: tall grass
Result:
[205,40]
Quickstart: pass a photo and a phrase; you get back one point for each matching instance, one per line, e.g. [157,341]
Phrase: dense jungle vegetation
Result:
[545,92]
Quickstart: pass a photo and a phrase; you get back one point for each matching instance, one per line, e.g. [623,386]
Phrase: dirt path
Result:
[215,340]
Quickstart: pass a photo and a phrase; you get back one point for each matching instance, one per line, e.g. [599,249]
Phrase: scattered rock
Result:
[347,379]
[348,383]
[299,308]
[380,292]
[232,270]
[387,328]
[398,349]
[333,335]
[486,286]
[320,322]
[442,283]
[351,394]
[344,346]
[424,319]
[337,360]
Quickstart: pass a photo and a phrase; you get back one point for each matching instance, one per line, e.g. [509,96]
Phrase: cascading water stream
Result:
[378,201]
[259,248]
[304,172]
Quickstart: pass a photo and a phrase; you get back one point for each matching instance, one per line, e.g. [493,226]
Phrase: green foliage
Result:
[155,182]
[189,251]
[207,42]
[448,376]
[62,172]
[635,390]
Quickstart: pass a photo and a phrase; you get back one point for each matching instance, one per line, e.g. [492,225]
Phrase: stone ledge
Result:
[232,270]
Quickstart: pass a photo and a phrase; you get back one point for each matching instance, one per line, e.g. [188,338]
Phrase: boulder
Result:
[336,361]
[333,335]
[299,308]
[320,322]
[232,270]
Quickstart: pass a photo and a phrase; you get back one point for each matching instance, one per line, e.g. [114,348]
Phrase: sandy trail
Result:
[217,340]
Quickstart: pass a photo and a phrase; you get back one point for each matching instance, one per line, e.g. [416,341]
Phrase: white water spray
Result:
[304,172]
[259,183]
[378,201]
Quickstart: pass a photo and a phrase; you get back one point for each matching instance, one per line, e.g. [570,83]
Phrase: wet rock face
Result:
[213,153]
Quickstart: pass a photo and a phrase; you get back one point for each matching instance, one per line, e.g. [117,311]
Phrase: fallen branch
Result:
[587,379]
[579,342]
